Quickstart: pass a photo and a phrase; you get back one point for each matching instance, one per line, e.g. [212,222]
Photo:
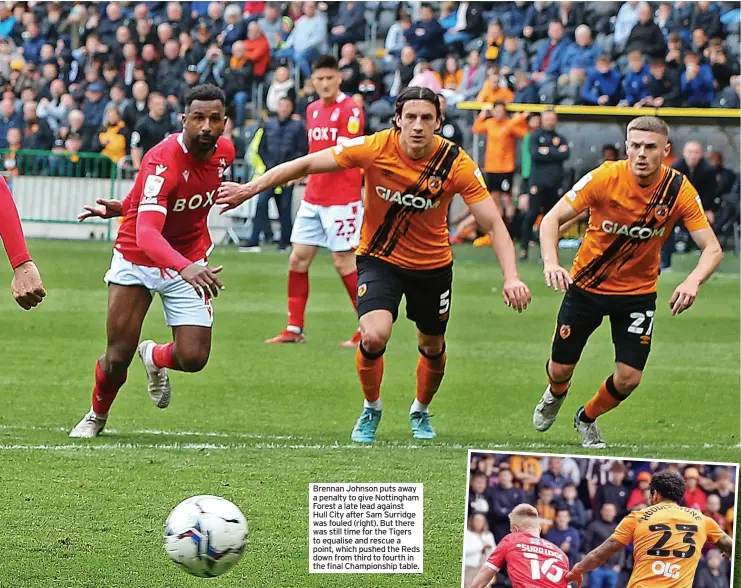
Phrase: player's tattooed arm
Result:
[725,545]
[232,195]
[596,558]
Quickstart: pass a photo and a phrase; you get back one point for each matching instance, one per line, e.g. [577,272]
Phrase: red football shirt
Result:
[328,125]
[531,562]
[173,182]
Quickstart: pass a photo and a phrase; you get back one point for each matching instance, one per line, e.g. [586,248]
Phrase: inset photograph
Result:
[552,521]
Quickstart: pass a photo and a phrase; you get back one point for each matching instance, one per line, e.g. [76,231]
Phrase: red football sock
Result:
[105,390]
[430,372]
[351,285]
[298,296]
[163,356]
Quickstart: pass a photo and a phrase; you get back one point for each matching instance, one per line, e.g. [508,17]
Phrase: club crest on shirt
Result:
[661,211]
[564,331]
[335,115]
[556,141]
[434,183]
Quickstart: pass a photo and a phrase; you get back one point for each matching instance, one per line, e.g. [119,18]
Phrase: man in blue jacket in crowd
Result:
[635,84]
[427,35]
[602,87]
[282,139]
[564,536]
[697,82]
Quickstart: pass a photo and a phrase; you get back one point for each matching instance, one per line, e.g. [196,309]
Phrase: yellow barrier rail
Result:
[627,111]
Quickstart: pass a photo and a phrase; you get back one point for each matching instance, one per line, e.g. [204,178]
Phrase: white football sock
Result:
[417,406]
[374,405]
[292,329]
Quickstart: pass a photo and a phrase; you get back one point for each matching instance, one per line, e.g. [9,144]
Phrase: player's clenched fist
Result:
[556,277]
[516,294]
[104,209]
[26,286]
[203,279]
[230,194]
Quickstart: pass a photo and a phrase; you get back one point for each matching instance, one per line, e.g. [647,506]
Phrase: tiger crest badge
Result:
[435,183]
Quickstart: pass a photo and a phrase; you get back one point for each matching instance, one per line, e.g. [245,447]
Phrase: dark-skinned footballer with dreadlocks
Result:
[411,176]
[162,246]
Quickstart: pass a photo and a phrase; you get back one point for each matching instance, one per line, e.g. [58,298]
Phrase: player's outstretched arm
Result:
[484,577]
[712,254]
[516,293]
[725,545]
[594,559]
[231,195]
[27,289]
[556,276]
[103,209]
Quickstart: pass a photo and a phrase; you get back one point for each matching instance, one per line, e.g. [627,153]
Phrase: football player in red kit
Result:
[531,562]
[26,286]
[331,211]
[162,246]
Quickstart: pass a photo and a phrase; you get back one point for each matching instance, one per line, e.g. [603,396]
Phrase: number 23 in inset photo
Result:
[551,521]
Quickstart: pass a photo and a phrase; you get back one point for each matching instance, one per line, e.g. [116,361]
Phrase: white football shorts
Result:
[183,307]
[336,228]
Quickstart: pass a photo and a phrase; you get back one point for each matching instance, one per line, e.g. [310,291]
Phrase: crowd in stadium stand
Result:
[109,78]
[581,502]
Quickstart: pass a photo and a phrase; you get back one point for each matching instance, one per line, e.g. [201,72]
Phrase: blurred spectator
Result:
[8,119]
[635,83]
[565,536]
[371,85]
[349,24]
[526,470]
[281,87]
[525,91]
[538,19]
[113,138]
[722,70]
[478,545]
[602,86]
[479,497]
[306,96]
[637,498]
[554,476]
[426,36]
[504,497]
[426,77]
[724,177]
[469,23]
[76,124]
[517,15]
[697,82]
[627,18]
[93,107]
[712,510]
[549,59]
[664,20]
[597,533]
[235,29]
[579,58]
[270,25]
[663,85]
[494,41]
[577,510]
[724,488]
[56,105]
[36,132]
[613,491]
[675,53]
[108,27]
[215,18]
[452,74]
[257,50]
[512,58]
[14,139]
[546,505]
[238,77]
[404,71]
[699,41]
[495,88]
[284,139]
[150,130]
[32,43]
[571,15]
[211,67]
[712,575]
[349,69]
[474,77]
[307,41]
[138,108]
[646,36]
[694,496]
[170,70]
[706,18]
[396,36]
[701,174]
[117,98]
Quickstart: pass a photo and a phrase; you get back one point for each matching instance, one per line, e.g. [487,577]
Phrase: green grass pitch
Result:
[262,422]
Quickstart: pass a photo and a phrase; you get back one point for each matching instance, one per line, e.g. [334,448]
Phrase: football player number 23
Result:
[546,569]
[666,534]
[345,228]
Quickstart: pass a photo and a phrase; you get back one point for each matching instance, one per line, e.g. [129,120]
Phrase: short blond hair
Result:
[525,516]
[650,124]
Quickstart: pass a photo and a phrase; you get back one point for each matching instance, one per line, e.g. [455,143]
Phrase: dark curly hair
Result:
[204,93]
[415,93]
[669,484]
[325,62]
